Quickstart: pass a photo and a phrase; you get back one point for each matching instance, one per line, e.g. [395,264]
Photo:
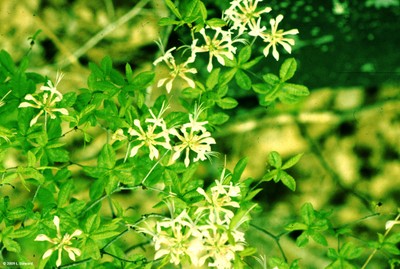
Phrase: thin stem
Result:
[375,250]
[105,31]
[76,263]
[154,166]
[143,260]
[115,239]
[276,238]
[328,168]
[127,151]
[140,245]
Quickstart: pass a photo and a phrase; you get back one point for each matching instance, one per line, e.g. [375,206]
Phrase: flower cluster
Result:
[45,101]
[61,243]
[205,234]
[243,17]
[191,137]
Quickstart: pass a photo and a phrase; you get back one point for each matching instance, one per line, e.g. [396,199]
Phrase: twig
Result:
[105,31]
[376,249]
[276,238]
[334,175]
[114,239]
[64,50]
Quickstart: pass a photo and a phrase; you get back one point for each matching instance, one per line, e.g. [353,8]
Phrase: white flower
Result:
[173,237]
[220,46]
[193,137]
[158,120]
[150,138]
[277,37]
[177,70]
[119,135]
[61,243]
[218,248]
[216,203]
[391,223]
[244,15]
[256,29]
[50,97]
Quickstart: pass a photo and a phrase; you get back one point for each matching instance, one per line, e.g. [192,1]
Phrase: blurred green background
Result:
[349,128]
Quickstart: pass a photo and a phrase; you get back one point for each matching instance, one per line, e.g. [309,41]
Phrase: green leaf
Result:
[68,100]
[274,159]
[17,213]
[106,64]
[292,161]
[302,240]
[271,79]
[212,79]
[394,239]
[222,91]
[7,62]
[107,157]
[20,233]
[288,69]
[11,245]
[295,89]
[91,249]
[261,88]
[31,159]
[92,223]
[227,103]
[243,80]
[190,93]
[244,54]
[166,21]
[270,175]
[307,213]
[288,180]
[215,22]
[239,169]
[251,63]
[190,10]
[350,252]
[143,80]
[173,8]
[65,193]
[103,235]
[218,118]
[319,238]
[226,77]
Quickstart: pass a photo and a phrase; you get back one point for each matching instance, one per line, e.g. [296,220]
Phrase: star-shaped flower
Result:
[61,243]
[220,46]
[176,70]
[45,101]
[277,37]
[245,15]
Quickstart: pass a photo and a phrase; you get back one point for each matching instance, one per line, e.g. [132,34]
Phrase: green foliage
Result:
[278,172]
[104,171]
[312,225]
[342,258]
[275,87]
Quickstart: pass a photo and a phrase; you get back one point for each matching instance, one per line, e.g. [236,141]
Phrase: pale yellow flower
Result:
[61,243]
[276,37]
[220,46]
[176,70]
[47,104]
[245,15]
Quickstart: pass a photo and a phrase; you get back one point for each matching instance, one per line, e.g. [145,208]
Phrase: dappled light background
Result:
[348,128]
